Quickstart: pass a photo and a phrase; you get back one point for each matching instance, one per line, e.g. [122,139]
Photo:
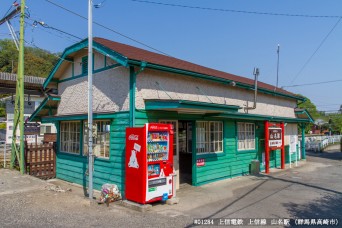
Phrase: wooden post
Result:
[267,149]
[282,126]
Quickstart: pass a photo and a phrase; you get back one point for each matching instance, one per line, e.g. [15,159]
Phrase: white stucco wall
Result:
[110,93]
[65,71]
[185,88]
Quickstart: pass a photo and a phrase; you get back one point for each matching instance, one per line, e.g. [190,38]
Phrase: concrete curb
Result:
[136,206]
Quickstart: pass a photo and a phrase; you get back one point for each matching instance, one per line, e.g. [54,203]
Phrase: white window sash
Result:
[209,137]
[246,136]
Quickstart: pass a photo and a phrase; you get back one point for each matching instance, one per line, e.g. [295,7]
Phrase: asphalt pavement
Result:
[310,192]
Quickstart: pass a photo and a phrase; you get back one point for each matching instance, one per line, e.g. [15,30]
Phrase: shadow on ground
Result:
[333,155]
[327,207]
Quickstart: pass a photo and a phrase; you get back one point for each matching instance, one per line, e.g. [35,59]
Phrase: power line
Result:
[13,4]
[105,27]
[319,46]
[328,105]
[44,25]
[237,11]
[314,83]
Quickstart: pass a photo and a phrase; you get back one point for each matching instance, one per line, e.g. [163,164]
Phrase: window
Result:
[209,135]
[70,137]
[85,65]
[45,129]
[246,136]
[101,139]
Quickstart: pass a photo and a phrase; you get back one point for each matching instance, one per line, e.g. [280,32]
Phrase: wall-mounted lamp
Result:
[232,83]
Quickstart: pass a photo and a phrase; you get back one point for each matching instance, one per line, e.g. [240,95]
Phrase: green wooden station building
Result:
[216,136]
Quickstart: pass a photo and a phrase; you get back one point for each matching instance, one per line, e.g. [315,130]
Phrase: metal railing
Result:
[319,143]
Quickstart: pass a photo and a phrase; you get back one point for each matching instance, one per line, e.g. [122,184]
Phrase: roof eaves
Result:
[304,111]
[76,47]
[210,77]
[111,53]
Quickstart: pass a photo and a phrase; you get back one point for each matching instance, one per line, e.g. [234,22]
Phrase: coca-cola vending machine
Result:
[149,163]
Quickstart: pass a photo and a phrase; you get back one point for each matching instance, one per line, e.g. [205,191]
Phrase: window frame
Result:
[208,142]
[68,132]
[84,144]
[246,148]
[84,69]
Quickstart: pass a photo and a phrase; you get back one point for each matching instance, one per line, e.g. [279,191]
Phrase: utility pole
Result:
[19,100]
[90,98]
[278,49]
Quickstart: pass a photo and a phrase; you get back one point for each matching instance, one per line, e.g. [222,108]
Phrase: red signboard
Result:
[274,140]
[275,137]
[200,162]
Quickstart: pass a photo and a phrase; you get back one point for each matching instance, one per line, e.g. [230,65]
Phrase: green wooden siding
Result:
[230,163]
[233,163]
[72,167]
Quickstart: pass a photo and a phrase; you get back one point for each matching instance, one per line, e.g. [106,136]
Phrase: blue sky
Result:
[227,41]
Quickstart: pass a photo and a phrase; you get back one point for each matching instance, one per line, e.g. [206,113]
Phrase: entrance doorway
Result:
[185,151]
[182,150]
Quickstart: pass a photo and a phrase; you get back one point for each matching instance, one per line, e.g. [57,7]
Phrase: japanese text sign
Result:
[275,137]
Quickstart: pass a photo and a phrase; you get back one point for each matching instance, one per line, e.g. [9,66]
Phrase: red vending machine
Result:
[149,163]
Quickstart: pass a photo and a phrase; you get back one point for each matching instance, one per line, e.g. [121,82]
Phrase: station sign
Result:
[31,129]
[275,137]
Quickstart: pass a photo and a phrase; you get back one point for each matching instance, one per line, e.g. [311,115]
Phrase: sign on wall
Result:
[200,162]
[275,137]
[293,143]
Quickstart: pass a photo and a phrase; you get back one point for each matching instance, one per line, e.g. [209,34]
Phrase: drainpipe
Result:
[256,74]
[132,89]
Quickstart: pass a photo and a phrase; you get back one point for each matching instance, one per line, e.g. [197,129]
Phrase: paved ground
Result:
[311,190]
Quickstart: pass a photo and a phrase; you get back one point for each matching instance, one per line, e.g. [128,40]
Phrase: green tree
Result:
[312,109]
[2,108]
[336,123]
[38,62]
[2,112]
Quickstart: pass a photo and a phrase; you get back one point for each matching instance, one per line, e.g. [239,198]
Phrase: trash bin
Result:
[255,167]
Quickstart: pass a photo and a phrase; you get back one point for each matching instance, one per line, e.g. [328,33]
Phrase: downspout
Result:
[256,74]
[132,89]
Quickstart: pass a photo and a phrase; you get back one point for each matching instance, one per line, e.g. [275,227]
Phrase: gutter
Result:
[211,78]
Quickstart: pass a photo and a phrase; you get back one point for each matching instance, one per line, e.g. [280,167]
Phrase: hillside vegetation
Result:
[323,121]
[38,62]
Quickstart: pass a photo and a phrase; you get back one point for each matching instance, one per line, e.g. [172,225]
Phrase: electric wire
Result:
[328,105]
[9,8]
[316,50]
[314,83]
[237,11]
[56,55]
[44,25]
[109,29]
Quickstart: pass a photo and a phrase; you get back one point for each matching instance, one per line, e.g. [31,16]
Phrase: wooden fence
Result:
[41,160]
[3,156]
